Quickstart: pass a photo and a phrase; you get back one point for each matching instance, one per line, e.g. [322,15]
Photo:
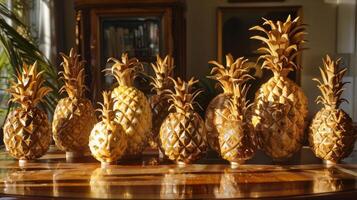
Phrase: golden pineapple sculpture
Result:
[159,102]
[74,116]
[280,107]
[236,134]
[27,131]
[133,108]
[217,108]
[183,134]
[107,140]
[331,134]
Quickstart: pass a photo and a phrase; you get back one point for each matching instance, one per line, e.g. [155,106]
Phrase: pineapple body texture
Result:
[160,110]
[73,121]
[134,115]
[107,142]
[215,113]
[27,134]
[331,134]
[237,141]
[183,137]
[280,110]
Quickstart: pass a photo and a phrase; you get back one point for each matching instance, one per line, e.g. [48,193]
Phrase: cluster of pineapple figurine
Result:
[167,120]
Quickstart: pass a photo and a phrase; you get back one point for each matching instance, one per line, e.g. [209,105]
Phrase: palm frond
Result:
[19,48]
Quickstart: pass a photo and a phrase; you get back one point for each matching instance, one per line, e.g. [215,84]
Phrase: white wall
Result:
[319,15]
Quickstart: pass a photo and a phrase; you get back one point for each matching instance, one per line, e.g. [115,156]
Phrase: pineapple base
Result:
[107,164]
[73,154]
[23,162]
[181,163]
[73,157]
[236,164]
[330,162]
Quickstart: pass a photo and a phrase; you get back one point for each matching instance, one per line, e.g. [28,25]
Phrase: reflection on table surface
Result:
[149,177]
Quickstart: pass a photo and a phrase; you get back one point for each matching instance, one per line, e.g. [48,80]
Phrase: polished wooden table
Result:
[53,176]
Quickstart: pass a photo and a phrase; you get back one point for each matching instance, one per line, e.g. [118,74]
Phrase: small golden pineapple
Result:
[74,116]
[133,108]
[159,102]
[280,107]
[183,134]
[233,72]
[107,140]
[331,134]
[236,134]
[27,132]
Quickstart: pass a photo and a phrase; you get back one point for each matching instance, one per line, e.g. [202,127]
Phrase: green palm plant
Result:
[17,48]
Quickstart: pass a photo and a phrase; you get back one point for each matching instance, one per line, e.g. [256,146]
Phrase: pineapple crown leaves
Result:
[331,85]
[107,111]
[28,89]
[238,103]
[283,43]
[234,71]
[125,70]
[163,70]
[183,98]
[73,75]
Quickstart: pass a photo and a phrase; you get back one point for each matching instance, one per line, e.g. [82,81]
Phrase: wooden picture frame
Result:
[89,35]
[99,15]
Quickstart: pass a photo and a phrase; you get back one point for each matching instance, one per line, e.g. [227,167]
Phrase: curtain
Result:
[41,21]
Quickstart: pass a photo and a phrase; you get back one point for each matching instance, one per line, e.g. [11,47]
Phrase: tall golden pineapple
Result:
[133,108]
[226,76]
[74,116]
[236,134]
[159,102]
[280,106]
[107,140]
[27,132]
[331,133]
[183,134]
